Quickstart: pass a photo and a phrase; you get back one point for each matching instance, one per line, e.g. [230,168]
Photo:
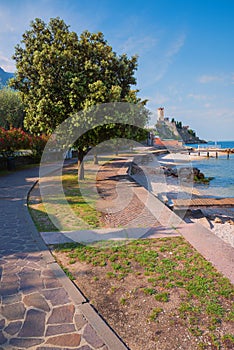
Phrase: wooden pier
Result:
[202,202]
[208,151]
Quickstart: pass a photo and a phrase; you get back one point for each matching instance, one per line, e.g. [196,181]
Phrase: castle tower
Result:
[160,114]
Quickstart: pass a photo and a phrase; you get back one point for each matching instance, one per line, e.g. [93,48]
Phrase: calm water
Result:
[222,169]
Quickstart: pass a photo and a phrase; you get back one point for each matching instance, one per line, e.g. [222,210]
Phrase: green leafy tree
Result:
[11,109]
[59,74]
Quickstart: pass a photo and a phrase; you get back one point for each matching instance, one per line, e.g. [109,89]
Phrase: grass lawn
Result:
[86,216]
[156,294]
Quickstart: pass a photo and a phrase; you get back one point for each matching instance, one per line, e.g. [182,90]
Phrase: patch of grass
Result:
[163,297]
[110,274]
[214,308]
[122,301]
[205,295]
[149,291]
[155,313]
[76,194]
[68,273]
[196,331]
[228,341]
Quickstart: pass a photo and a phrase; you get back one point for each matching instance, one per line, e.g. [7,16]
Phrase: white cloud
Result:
[175,46]
[156,63]
[136,45]
[204,79]
[198,97]
[6,64]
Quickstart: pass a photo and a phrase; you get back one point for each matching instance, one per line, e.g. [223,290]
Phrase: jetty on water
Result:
[179,204]
[210,151]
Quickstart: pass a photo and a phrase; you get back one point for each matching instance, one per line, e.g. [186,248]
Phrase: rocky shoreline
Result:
[161,176]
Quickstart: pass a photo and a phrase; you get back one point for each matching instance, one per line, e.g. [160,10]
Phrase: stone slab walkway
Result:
[40,308]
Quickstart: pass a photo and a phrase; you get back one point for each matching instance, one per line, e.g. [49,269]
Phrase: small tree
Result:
[11,109]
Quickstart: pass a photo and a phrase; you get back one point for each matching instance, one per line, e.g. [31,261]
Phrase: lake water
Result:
[222,169]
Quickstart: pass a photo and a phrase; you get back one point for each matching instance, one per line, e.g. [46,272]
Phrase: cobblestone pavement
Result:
[40,308]
[112,182]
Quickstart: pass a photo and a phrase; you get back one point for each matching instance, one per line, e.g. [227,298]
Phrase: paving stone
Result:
[57,296]
[25,343]
[10,299]
[60,329]
[70,340]
[92,338]
[62,314]
[36,300]
[2,323]
[2,338]
[9,289]
[13,327]
[51,283]
[13,311]
[30,281]
[48,273]
[34,324]
[80,321]
[11,278]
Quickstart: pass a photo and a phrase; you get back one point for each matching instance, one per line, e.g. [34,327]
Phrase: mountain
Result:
[4,77]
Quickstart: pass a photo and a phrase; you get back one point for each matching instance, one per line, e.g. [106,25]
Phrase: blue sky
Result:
[185,48]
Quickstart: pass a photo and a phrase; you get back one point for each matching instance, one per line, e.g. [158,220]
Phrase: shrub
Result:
[16,139]
[12,140]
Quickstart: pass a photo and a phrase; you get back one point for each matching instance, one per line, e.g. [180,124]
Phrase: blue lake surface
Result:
[222,169]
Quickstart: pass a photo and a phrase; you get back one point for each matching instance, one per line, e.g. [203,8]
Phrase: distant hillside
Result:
[4,77]
[176,131]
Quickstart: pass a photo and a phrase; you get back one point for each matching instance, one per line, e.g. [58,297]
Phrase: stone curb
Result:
[99,325]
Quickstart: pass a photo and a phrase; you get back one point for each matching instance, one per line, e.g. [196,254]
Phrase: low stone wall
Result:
[16,163]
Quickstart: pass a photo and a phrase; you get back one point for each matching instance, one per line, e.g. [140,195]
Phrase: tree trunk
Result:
[95,157]
[80,164]
[117,149]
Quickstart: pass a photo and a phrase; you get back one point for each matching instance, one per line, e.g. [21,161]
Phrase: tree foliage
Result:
[59,74]
[11,109]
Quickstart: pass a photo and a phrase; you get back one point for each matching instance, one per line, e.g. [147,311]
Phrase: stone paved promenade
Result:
[143,215]
[40,308]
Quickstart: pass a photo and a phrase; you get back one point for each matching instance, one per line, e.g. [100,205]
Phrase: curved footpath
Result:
[40,307]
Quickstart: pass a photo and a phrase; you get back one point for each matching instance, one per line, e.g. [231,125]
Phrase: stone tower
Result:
[160,114]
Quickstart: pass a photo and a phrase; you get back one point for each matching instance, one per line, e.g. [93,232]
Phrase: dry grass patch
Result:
[156,294]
